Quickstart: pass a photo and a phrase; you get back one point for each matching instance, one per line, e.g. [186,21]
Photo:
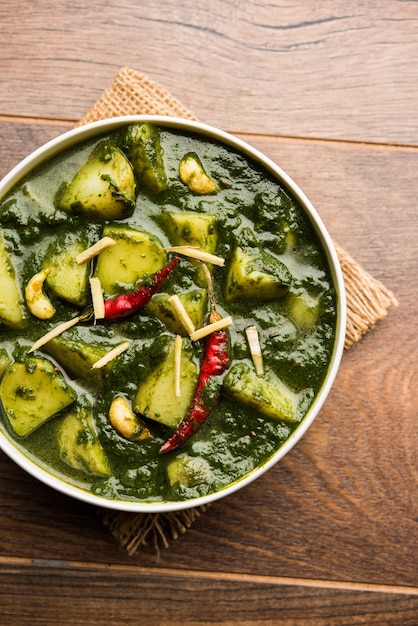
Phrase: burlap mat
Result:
[368,300]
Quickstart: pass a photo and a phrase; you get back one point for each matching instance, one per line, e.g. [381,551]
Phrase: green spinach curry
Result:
[96,403]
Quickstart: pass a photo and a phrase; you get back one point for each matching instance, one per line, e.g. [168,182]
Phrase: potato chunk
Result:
[66,278]
[79,444]
[155,397]
[267,395]
[189,471]
[77,355]
[256,274]
[135,256]
[192,229]
[303,309]
[32,392]
[104,185]
[143,147]
[12,310]
[195,303]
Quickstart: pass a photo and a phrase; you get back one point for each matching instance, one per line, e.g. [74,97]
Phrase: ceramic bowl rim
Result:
[82,133]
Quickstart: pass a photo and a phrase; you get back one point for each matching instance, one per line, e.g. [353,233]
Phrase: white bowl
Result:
[88,131]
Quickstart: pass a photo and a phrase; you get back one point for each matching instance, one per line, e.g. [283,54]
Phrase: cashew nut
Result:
[194,176]
[126,422]
[38,303]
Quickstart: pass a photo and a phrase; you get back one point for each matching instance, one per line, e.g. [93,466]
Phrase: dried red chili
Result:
[215,361]
[132,301]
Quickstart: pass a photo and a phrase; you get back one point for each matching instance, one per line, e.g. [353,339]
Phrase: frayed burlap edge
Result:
[135,530]
[368,300]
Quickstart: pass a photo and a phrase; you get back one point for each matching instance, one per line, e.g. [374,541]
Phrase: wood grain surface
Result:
[329,92]
[342,70]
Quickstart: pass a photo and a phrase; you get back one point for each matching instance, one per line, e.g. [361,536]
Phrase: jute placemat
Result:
[368,300]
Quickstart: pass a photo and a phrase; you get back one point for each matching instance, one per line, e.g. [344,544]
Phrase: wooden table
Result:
[330,92]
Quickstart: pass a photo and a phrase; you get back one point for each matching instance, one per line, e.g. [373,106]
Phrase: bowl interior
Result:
[91,131]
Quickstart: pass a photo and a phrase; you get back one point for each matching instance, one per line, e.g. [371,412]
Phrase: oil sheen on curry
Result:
[167,315]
